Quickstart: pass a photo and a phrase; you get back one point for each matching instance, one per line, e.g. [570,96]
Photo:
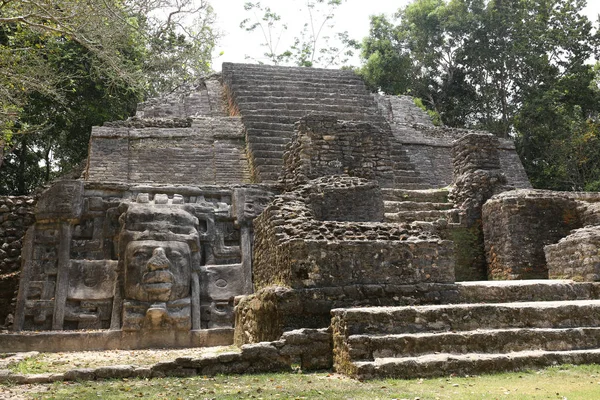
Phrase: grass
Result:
[563,382]
[31,365]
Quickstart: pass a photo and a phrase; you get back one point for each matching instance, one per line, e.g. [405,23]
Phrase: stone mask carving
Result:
[159,249]
[157,270]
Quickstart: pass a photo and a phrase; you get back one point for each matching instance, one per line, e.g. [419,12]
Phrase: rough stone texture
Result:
[429,148]
[311,348]
[75,262]
[384,341]
[322,146]
[477,174]
[518,224]
[526,290]
[477,177]
[95,340]
[271,311]
[402,110]
[294,248]
[166,230]
[272,99]
[210,151]
[575,256]
[16,215]
[470,364]
[203,99]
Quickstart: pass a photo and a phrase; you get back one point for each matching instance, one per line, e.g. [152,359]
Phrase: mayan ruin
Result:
[297,215]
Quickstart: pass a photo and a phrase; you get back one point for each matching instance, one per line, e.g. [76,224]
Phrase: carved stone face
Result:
[157,271]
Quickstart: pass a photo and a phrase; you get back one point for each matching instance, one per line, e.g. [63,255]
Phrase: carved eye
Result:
[140,255]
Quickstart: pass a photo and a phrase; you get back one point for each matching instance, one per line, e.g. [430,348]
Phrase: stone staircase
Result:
[472,338]
[410,205]
[271,99]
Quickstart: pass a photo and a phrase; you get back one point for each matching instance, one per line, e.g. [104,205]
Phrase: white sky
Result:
[351,16]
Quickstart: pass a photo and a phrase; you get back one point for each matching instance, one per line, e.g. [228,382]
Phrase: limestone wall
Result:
[324,146]
[518,224]
[16,215]
[74,257]
[293,248]
[430,148]
[203,151]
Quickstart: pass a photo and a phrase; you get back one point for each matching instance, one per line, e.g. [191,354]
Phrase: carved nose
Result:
[159,260]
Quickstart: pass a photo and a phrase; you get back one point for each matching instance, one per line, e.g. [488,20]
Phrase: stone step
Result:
[280,79]
[307,108]
[295,115]
[464,317]
[276,118]
[249,68]
[252,69]
[293,88]
[422,215]
[266,154]
[333,99]
[370,347]
[268,161]
[526,290]
[433,365]
[258,134]
[242,95]
[267,146]
[397,206]
[407,175]
[428,196]
[403,165]
[268,127]
[275,137]
[275,88]
[411,186]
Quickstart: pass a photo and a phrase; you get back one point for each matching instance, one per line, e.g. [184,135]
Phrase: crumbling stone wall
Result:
[575,256]
[304,266]
[429,147]
[273,310]
[293,248]
[16,216]
[477,177]
[324,146]
[518,224]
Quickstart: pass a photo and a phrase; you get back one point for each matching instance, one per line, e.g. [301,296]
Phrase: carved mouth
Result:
[158,281]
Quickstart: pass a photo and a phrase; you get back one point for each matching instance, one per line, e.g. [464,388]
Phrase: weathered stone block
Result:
[576,256]
[518,224]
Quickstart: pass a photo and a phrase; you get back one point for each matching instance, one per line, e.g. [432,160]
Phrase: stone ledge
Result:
[311,347]
[59,341]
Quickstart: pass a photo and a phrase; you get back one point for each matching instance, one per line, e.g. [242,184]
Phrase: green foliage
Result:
[514,68]
[30,365]
[66,66]
[316,45]
[433,115]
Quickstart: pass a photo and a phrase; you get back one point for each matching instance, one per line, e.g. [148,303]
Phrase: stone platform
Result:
[59,341]
[496,326]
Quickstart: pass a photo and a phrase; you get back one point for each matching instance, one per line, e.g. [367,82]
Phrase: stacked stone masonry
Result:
[284,193]
[16,216]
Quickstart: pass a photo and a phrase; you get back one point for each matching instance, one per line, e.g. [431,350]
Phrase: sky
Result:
[351,16]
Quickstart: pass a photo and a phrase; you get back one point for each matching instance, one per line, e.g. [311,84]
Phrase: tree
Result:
[475,61]
[515,68]
[68,65]
[317,44]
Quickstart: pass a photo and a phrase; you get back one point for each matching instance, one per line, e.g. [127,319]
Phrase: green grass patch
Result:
[31,365]
[564,382]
